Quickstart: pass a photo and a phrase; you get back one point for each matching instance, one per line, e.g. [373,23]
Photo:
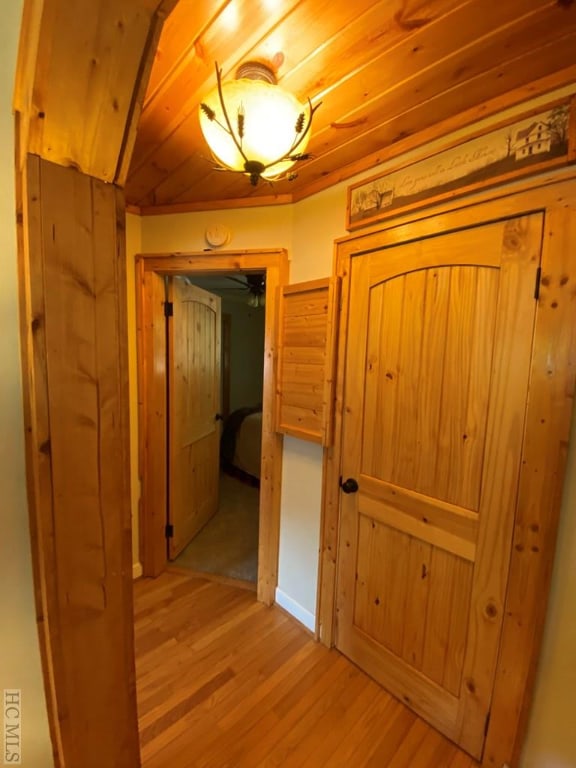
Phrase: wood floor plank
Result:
[226,682]
[181,681]
[318,723]
[269,742]
[202,728]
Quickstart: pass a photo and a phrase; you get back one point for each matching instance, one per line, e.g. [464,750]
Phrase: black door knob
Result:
[218,417]
[349,486]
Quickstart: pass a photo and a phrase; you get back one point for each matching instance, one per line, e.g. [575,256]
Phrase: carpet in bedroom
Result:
[228,543]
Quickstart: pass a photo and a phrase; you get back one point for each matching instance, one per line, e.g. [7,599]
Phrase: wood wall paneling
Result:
[75,361]
[36,422]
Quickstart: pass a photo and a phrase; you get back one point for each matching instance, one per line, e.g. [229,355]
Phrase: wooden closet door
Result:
[438,355]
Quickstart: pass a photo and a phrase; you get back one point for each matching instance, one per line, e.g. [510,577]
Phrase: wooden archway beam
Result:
[81,75]
[82,71]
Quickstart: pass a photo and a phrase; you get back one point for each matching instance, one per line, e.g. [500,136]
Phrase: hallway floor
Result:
[225,682]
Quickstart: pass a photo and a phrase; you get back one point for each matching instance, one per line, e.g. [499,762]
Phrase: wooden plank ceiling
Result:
[390,74]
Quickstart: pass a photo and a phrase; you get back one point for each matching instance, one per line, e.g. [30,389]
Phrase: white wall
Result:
[249,229]
[551,741]
[318,221]
[19,652]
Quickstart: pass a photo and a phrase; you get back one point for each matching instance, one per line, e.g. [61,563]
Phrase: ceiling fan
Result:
[255,285]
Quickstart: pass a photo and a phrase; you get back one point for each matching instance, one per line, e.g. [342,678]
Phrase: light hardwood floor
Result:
[224,682]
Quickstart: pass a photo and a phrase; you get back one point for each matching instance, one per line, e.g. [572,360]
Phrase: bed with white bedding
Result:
[241,444]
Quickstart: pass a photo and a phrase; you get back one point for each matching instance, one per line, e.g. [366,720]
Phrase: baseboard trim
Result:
[136,570]
[296,610]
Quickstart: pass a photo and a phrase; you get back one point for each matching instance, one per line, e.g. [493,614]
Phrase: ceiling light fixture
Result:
[255,127]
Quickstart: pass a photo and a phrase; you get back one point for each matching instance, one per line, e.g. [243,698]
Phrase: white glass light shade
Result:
[270,117]
[256,300]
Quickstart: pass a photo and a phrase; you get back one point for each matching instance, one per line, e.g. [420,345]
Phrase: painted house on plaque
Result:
[533,140]
[372,200]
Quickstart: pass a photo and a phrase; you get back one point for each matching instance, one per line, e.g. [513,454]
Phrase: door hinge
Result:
[168,309]
[169,531]
[537,286]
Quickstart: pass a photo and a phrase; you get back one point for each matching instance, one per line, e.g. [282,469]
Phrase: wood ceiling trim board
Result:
[438,108]
[422,88]
[182,96]
[334,20]
[437,54]
[32,12]
[325,28]
[179,188]
[497,81]
[140,85]
[226,185]
[467,117]
[140,186]
[196,166]
[26,72]
[188,22]
[337,59]
[142,191]
[303,186]
[223,185]
[151,170]
[215,205]
[169,189]
[330,111]
[165,8]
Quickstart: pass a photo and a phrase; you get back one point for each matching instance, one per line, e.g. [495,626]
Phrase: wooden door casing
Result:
[152,416]
[436,385]
[194,359]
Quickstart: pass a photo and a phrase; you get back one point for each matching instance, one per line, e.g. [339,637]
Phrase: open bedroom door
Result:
[194,338]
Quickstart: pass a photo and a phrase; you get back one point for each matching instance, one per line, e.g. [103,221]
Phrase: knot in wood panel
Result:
[491,611]
[409,24]
[515,232]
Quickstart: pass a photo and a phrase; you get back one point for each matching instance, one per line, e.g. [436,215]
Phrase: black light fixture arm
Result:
[225,112]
